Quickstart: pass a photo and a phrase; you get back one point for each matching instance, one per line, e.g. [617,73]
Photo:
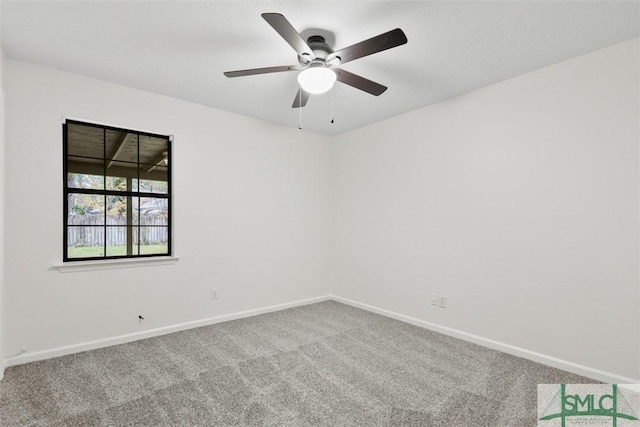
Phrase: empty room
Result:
[319,213]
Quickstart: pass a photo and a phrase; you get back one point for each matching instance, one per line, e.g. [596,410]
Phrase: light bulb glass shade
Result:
[316,80]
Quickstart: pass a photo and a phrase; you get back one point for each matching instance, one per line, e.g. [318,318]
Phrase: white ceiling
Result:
[181,48]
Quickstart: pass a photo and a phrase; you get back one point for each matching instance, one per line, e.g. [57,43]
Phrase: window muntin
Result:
[117,193]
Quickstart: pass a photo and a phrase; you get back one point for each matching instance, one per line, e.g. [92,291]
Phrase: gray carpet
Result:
[326,364]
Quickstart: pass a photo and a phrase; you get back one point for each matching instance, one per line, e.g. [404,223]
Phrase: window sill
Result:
[109,264]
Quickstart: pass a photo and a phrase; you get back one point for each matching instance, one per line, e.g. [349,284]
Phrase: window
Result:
[117,193]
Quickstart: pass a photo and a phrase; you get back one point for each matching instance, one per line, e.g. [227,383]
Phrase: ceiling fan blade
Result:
[291,36]
[265,70]
[370,46]
[359,82]
[301,99]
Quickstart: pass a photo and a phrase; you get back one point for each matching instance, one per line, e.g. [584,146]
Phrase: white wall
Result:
[519,202]
[250,219]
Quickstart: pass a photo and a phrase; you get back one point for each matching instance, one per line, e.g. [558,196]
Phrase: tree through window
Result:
[117,192]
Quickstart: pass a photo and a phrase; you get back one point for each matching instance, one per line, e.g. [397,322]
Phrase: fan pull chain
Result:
[332,114]
[300,109]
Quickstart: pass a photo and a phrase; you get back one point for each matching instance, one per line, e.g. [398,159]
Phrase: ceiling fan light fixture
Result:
[316,80]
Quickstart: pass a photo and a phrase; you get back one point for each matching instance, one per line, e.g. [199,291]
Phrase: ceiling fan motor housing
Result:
[320,49]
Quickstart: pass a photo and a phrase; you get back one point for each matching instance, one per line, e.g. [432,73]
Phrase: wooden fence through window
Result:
[90,230]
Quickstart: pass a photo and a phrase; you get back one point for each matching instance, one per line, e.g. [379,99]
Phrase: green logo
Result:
[610,403]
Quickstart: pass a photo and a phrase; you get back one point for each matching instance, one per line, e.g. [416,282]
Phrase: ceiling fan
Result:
[319,62]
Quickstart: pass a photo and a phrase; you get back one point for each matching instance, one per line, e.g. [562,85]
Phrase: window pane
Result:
[85,209]
[152,207]
[118,175]
[116,241]
[154,249]
[154,173]
[152,186]
[83,242]
[122,146]
[135,210]
[116,183]
[135,233]
[85,141]
[79,180]
[154,240]
[80,168]
[153,150]
[116,210]
[116,250]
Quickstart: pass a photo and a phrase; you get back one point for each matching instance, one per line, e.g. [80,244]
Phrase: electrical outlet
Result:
[214,294]
[435,299]
[442,302]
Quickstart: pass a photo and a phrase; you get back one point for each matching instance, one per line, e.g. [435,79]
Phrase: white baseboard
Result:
[596,374]
[586,371]
[27,357]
